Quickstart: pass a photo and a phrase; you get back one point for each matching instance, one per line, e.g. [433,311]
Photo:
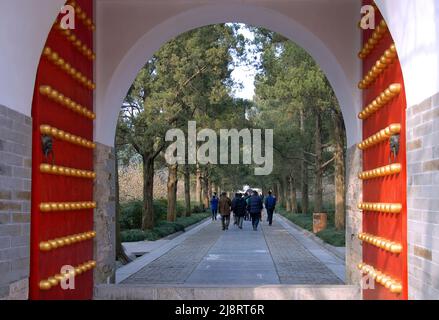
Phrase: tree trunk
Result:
[148,189]
[187,191]
[280,190]
[293,197]
[318,188]
[214,188]
[206,189]
[339,175]
[304,169]
[287,194]
[276,192]
[172,192]
[198,186]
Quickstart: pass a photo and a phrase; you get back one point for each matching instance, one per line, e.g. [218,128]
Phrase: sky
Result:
[245,74]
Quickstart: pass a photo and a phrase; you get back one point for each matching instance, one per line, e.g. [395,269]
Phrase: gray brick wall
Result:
[15,195]
[105,214]
[354,217]
[423,199]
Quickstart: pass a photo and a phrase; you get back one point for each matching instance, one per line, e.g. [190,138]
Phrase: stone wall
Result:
[131,184]
[354,217]
[15,196]
[423,199]
[328,191]
[105,214]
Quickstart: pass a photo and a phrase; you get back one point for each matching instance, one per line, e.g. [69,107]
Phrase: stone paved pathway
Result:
[176,265]
[239,257]
[294,263]
[211,256]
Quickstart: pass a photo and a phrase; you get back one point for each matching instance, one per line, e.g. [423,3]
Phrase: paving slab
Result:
[240,256]
[176,265]
[329,259]
[131,268]
[272,255]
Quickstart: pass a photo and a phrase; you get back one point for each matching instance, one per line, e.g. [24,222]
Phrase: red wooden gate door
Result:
[384,235]
[62,169]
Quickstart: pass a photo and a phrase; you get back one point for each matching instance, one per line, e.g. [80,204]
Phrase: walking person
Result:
[247,213]
[262,199]
[214,206]
[247,201]
[224,209]
[255,207]
[270,204]
[239,209]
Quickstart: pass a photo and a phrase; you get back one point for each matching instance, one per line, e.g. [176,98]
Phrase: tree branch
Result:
[327,163]
[291,158]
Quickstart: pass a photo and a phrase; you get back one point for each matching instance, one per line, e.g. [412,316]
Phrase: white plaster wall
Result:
[129,32]
[24,26]
[128,27]
[414,25]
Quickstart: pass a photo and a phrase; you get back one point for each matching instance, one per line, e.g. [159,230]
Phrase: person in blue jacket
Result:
[255,208]
[214,206]
[270,204]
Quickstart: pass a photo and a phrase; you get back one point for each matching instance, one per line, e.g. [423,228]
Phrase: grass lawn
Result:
[329,235]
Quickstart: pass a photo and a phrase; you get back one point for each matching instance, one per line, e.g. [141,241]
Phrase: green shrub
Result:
[150,235]
[132,235]
[162,229]
[131,215]
[333,236]
[329,235]
[197,208]
[181,208]
[160,209]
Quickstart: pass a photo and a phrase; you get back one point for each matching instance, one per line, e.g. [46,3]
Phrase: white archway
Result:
[109,101]
[24,28]
[414,26]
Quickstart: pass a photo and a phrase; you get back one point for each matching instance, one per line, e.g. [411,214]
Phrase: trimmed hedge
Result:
[330,235]
[162,229]
[131,212]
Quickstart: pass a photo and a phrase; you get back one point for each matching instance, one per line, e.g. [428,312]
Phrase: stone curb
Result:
[268,292]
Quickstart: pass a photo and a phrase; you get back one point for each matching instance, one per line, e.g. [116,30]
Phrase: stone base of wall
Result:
[18,290]
[354,217]
[105,214]
[423,199]
[266,292]
[15,195]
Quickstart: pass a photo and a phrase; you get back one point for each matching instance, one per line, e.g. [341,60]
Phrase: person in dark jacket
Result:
[214,206]
[246,199]
[255,208]
[224,210]
[239,209]
[270,204]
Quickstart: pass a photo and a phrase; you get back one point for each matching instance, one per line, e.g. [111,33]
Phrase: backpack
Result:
[271,202]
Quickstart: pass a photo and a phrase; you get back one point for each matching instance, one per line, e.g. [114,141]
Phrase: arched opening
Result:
[143,95]
[123,71]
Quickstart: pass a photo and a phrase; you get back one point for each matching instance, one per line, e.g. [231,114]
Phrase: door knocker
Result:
[394,147]
[47,145]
